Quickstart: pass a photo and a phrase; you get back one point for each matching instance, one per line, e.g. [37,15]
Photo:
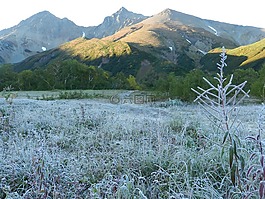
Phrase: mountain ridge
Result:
[46,31]
[32,36]
[169,48]
[245,34]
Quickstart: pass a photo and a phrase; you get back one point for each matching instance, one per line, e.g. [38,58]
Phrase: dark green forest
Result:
[71,74]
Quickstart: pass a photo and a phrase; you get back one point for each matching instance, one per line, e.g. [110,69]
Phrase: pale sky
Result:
[89,13]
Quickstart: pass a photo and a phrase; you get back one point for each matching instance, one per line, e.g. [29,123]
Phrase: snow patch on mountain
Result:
[188,41]
[213,29]
[201,51]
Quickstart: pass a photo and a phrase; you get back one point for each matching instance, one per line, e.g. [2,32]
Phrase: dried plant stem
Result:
[219,102]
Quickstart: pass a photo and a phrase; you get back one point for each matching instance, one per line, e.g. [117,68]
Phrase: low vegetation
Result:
[97,149]
[91,148]
[83,77]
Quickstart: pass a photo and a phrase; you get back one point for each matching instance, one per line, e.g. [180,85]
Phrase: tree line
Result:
[71,74]
[180,86]
[68,75]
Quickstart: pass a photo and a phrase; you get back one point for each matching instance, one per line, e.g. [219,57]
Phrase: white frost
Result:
[43,48]
[213,29]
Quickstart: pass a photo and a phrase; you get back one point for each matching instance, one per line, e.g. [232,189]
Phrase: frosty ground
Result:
[92,148]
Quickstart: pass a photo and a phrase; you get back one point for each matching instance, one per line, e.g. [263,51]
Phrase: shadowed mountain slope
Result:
[248,56]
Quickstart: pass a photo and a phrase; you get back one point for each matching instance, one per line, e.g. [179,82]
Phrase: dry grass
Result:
[95,48]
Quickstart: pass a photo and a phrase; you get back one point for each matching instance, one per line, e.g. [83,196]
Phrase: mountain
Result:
[111,24]
[169,35]
[113,56]
[184,40]
[240,35]
[248,56]
[44,31]
[38,33]
[169,41]
[158,44]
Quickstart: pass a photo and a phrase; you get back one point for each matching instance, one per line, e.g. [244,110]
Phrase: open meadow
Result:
[93,148]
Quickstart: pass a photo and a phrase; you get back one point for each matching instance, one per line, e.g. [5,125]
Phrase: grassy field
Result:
[92,148]
[57,93]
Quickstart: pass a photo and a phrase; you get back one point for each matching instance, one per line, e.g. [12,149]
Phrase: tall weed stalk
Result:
[220,103]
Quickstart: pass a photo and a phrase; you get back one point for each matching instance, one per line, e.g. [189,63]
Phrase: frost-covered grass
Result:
[95,149]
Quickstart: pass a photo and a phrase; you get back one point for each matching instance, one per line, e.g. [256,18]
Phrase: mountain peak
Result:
[36,18]
[174,14]
[175,17]
[122,9]
[118,20]
[122,12]
[168,11]
[42,14]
